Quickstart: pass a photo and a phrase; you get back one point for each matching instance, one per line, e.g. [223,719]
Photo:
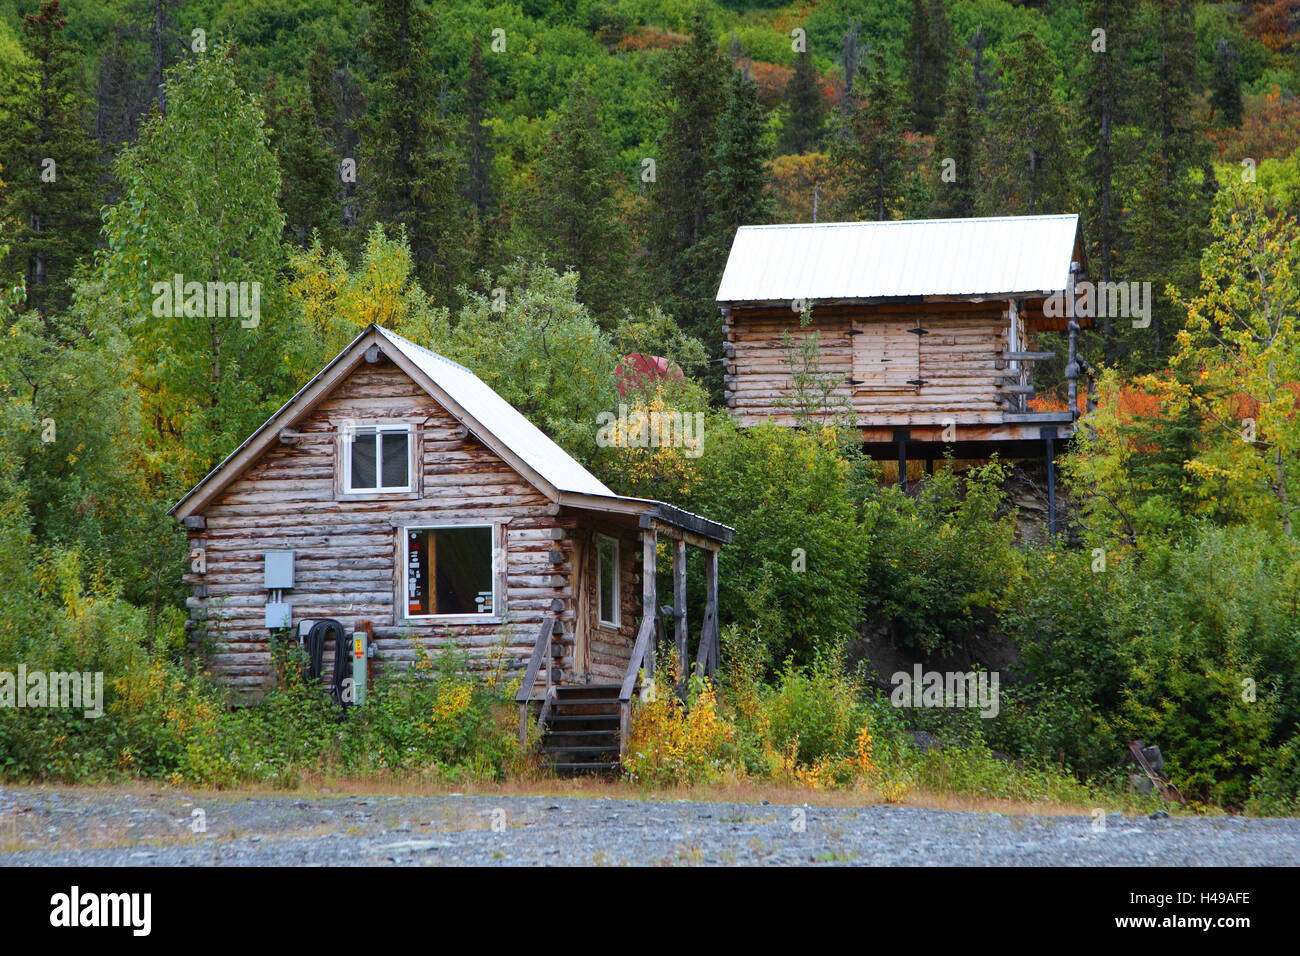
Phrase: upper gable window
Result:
[377,459]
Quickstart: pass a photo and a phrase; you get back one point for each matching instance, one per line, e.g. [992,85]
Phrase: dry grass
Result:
[745,792]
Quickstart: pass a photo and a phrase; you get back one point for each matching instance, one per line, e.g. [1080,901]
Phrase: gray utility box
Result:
[278,616]
[279,570]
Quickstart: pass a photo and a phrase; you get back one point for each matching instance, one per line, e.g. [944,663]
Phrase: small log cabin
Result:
[926,329]
[399,495]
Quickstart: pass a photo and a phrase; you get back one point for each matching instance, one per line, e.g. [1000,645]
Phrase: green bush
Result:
[814,711]
[1277,788]
[789,495]
[1161,646]
[943,564]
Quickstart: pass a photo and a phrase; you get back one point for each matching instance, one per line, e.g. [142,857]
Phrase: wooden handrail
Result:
[540,649]
[523,696]
[638,654]
[639,651]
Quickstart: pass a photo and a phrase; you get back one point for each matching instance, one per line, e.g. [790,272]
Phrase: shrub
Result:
[788,495]
[943,563]
[1277,788]
[672,743]
[814,711]
[1159,646]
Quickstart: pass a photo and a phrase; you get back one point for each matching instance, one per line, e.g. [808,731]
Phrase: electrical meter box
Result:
[279,570]
[278,616]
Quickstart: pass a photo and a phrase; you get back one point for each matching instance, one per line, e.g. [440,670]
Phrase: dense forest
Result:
[541,187]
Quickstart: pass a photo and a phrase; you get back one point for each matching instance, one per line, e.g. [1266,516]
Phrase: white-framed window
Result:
[607,590]
[377,458]
[450,571]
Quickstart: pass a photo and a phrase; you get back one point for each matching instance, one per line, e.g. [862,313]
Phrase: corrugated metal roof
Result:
[882,260]
[502,419]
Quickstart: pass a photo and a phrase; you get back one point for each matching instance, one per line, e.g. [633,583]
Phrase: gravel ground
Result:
[41,827]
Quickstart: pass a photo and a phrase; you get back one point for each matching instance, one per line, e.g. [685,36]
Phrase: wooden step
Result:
[585,708]
[581,738]
[569,692]
[572,769]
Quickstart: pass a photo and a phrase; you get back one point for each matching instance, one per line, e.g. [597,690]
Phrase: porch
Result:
[584,723]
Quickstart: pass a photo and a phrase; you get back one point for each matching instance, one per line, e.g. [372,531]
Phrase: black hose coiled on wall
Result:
[315,647]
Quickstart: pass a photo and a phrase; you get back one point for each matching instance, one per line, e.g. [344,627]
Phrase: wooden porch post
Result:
[710,632]
[649,590]
[679,611]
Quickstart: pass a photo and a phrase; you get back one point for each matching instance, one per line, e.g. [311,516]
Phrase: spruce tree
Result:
[119,95]
[479,191]
[309,194]
[694,92]
[1225,94]
[928,50]
[51,162]
[956,147]
[850,60]
[1102,110]
[870,158]
[478,145]
[1167,100]
[410,169]
[805,109]
[1026,159]
[578,207]
[985,83]
[737,180]
[336,103]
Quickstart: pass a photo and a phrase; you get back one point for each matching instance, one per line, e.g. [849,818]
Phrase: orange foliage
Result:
[792,180]
[1134,403]
[651,38]
[1270,128]
[1273,22]
[771,79]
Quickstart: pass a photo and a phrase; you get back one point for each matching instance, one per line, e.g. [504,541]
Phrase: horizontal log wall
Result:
[958,360]
[345,563]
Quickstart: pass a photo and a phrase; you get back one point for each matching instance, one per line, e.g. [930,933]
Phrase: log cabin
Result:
[926,331]
[398,494]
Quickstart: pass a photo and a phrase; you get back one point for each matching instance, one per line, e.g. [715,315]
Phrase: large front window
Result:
[378,459]
[449,571]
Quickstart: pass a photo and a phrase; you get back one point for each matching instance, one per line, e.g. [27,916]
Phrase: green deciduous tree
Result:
[199,202]
[1242,335]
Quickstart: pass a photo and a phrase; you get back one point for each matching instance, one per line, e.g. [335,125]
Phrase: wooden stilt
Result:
[901,438]
[1049,440]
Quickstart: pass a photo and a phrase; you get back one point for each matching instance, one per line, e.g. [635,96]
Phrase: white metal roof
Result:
[502,419]
[881,260]
[487,415]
